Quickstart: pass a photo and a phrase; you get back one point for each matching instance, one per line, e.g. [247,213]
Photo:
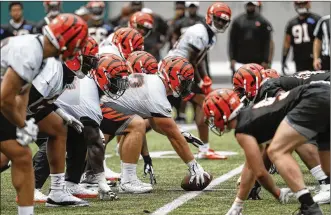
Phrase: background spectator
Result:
[322,44]
[179,14]
[299,36]
[249,38]
[17,24]
[123,18]
[52,9]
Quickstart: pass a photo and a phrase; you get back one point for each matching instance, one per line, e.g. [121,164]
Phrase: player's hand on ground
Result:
[28,133]
[285,194]
[317,64]
[255,192]
[197,173]
[148,169]
[190,138]
[206,85]
[236,208]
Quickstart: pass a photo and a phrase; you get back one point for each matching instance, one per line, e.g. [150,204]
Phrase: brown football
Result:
[193,186]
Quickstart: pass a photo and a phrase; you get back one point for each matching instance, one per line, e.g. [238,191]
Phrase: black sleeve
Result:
[233,40]
[288,28]
[266,42]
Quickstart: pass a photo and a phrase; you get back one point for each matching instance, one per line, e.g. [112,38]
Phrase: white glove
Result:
[285,194]
[28,133]
[70,120]
[197,172]
[190,138]
[236,207]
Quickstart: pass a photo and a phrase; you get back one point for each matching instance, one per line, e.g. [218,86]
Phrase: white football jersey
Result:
[148,100]
[108,47]
[197,36]
[24,54]
[82,101]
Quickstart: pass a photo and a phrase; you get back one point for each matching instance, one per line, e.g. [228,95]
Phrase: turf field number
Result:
[300,33]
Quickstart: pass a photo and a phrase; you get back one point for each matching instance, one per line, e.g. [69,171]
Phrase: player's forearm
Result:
[14,112]
[286,49]
[317,48]
[246,183]
[181,147]
[271,51]
[268,183]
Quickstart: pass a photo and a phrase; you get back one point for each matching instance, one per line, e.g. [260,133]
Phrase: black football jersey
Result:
[302,36]
[261,120]
[100,32]
[285,83]
[9,30]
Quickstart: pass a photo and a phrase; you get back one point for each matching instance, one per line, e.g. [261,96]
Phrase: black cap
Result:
[136,3]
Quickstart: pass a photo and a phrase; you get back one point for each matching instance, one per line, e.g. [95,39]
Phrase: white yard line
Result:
[190,195]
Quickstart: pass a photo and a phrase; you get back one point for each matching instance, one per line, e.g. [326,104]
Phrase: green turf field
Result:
[169,172]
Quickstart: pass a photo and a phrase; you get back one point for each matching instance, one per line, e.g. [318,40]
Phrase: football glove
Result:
[70,120]
[236,207]
[285,194]
[206,85]
[190,138]
[148,169]
[28,133]
[255,192]
[197,172]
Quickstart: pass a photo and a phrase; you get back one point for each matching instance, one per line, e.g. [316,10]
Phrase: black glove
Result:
[273,169]
[148,169]
[255,192]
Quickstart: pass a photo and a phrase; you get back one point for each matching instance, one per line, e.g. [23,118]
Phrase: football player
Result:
[47,87]
[143,22]
[52,9]
[125,116]
[17,24]
[98,29]
[121,45]
[224,111]
[299,35]
[22,67]
[261,84]
[193,45]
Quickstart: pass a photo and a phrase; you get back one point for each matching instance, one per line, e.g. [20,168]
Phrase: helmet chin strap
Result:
[217,31]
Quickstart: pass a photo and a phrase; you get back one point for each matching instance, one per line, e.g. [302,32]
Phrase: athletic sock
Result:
[319,175]
[305,197]
[129,172]
[57,181]
[204,147]
[25,210]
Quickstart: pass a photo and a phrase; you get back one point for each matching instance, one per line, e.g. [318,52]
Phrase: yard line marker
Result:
[190,195]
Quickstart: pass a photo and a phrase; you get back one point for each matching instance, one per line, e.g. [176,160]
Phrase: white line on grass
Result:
[190,195]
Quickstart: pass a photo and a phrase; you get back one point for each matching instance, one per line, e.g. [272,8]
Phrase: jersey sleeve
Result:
[318,32]
[25,58]
[288,28]
[196,40]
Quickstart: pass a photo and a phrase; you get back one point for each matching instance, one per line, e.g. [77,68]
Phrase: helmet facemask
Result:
[116,86]
[220,24]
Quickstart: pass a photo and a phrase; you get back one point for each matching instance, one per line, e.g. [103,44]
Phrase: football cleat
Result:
[105,193]
[111,175]
[211,155]
[323,196]
[58,198]
[80,191]
[135,187]
[309,210]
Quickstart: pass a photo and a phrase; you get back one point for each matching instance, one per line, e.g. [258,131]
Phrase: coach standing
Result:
[299,35]
[250,38]
[322,44]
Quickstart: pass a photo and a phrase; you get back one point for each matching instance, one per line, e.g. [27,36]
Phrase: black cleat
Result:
[309,210]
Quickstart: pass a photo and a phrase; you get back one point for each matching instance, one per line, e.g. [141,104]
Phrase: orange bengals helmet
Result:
[84,62]
[270,73]
[219,107]
[128,40]
[142,62]
[68,33]
[218,17]
[178,73]
[247,80]
[143,22]
[111,75]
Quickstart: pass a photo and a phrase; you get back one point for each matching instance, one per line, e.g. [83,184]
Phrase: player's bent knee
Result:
[274,152]
[137,124]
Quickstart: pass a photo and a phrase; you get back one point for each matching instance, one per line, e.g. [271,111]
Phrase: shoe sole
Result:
[36,201]
[323,202]
[127,192]
[54,205]
[213,158]
[83,196]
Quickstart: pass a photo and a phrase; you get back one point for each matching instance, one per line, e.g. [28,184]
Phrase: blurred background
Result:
[277,13]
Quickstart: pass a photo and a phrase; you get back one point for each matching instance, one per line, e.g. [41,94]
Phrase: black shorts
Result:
[304,65]
[7,130]
[115,118]
[41,114]
[311,116]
